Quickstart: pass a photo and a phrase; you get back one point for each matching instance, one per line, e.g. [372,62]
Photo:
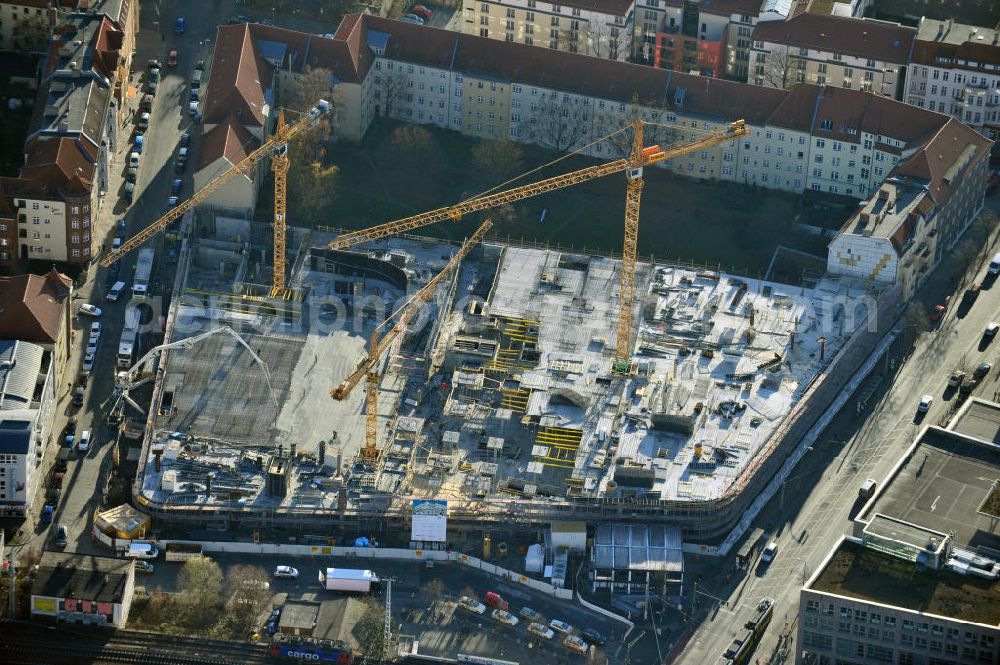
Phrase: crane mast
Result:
[276,145]
[376,347]
[280,167]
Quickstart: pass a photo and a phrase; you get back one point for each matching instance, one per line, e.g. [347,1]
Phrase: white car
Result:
[925,404]
[88,362]
[286,572]
[472,605]
[95,329]
[769,552]
[574,643]
[992,328]
[504,617]
[133,160]
[560,626]
[92,345]
[90,310]
[540,630]
[83,445]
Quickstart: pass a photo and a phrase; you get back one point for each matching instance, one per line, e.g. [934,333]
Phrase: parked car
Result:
[175,186]
[90,310]
[47,512]
[925,404]
[938,312]
[128,193]
[504,617]
[172,202]
[180,25]
[172,58]
[286,572]
[991,329]
[62,537]
[83,445]
[116,243]
[147,103]
[144,567]
[78,396]
[154,74]
[272,622]
[412,18]
[539,630]
[185,140]
[472,605]
[195,94]
[152,63]
[92,344]
[560,626]
[495,600]
[139,140]
[151,87]
[769,552]
[69,433]
[422,12]
[193,109]
[574,643]
[95,329]
[982,369]
[143,122]
[88,362]
[594,636]
[199,66]
[179,166]
[530,614]
[133,159]
[132,174]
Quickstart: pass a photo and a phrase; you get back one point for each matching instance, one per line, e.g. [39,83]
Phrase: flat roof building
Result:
[918,580]
[80,588]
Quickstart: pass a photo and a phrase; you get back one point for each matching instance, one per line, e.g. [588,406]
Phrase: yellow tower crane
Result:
[276,146]
[639,157]
[366,368]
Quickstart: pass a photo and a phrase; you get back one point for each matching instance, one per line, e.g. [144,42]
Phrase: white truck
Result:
[347,579]
[129,338]
[143,269]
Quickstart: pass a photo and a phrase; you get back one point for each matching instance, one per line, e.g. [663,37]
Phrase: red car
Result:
[421,11]
[495,600]
[172,59]
[937,312]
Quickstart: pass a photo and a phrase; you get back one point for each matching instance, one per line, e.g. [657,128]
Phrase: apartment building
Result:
[602,28]
[47,212]
[853,53]
[900,234]
[807,138]
[955,69]
[25,25]
[910,584]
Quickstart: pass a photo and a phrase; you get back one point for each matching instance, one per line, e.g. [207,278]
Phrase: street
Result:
[813,511]
[87,474]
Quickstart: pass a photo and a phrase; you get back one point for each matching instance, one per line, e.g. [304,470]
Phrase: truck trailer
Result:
[352,580]
[143,270]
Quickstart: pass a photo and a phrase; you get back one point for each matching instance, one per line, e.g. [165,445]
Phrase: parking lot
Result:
[439,625]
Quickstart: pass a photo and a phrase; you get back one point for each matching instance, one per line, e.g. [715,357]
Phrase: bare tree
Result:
[250,595]
[610,41]
[497,160]
[392,87]
[774,72]
[370,632]
[412,142]
[200,580]
[620,144]
[559,123]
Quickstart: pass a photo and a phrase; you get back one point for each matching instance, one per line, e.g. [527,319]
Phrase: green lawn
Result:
[695,221]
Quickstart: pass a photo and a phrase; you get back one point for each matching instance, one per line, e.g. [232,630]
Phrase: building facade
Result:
[602,28]
[956,70]
[858,54]
[25,25]
[83,589]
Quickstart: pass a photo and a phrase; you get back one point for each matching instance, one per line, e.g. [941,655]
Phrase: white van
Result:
[116,291]
[141,550]
[994,268]
[867,489]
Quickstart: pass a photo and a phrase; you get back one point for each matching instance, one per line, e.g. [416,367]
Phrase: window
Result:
[515,88]
[484,8]
[510,13]
[817,173]
[529,16]
[818,159]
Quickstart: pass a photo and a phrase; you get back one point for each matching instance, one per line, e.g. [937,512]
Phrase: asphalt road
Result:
[440,629]
[87,475]
[821,493]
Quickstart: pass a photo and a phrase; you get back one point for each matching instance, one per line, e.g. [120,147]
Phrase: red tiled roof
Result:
[228,139]
[238,78]
[32,306]
[864,38]
[942,159]
[58,166]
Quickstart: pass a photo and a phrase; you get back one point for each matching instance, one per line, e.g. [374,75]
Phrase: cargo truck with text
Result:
[143,271]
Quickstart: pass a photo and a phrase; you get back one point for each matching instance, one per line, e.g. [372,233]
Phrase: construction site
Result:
[519,384]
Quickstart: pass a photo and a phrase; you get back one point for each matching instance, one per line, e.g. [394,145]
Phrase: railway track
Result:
[40,645]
